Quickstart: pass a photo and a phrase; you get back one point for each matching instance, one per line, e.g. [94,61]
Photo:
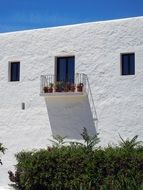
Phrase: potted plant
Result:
[58,86]
[67,87]
[50,88]
[80,87]
[45,89]
[72,87]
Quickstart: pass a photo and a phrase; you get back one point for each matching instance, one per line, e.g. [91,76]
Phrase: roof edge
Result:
[73,25]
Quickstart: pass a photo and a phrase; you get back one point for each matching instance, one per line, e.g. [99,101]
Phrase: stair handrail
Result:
[91,102]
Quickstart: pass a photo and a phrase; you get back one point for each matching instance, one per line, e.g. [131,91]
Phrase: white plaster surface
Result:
[97,48]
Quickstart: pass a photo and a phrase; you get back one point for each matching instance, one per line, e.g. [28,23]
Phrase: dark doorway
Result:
[65,69]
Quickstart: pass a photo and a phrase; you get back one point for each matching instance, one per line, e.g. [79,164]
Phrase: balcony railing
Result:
[50,87]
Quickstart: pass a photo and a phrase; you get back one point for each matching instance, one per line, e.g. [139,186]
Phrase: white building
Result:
[109,53]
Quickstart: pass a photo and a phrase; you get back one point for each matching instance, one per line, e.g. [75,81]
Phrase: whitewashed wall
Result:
[97,48]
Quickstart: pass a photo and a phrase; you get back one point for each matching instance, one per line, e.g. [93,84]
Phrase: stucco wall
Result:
[97,48]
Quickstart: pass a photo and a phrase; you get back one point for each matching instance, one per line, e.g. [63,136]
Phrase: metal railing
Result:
[49,85]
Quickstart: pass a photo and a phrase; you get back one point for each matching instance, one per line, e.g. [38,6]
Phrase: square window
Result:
[128,64]
[14,71]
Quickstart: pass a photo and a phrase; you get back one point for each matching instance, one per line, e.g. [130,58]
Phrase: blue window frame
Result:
[15,71]
[128,64]
[65,69]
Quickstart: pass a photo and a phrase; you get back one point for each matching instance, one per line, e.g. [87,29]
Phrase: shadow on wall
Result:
[69,115]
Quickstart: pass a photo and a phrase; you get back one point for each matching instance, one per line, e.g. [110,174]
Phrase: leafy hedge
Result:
[77,167]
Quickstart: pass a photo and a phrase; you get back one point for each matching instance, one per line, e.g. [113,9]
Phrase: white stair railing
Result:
[91,102]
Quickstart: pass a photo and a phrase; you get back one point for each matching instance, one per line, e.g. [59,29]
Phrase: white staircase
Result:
[91,102]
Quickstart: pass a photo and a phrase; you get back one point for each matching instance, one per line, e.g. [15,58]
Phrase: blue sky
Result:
[28,14]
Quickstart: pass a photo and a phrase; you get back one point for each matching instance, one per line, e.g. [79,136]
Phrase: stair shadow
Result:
[69,115]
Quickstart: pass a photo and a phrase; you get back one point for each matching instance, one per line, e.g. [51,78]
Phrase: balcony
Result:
[50,87]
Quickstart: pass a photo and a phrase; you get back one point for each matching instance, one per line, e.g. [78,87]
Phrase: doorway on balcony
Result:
[65,69]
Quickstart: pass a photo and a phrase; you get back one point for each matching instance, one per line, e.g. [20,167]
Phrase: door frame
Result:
[56,61]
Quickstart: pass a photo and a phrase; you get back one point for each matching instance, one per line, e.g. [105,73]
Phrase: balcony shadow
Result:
[69,115]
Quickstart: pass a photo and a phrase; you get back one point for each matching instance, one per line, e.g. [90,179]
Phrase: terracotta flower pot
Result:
[72,88]
[50,90]
[45,89]
[80,87]
[58,90]
[66,89]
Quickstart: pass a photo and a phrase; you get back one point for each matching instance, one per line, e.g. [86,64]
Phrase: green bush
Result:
[79,167]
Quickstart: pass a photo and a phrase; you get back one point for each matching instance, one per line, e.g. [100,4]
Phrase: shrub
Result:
[79,167]
[130,144]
